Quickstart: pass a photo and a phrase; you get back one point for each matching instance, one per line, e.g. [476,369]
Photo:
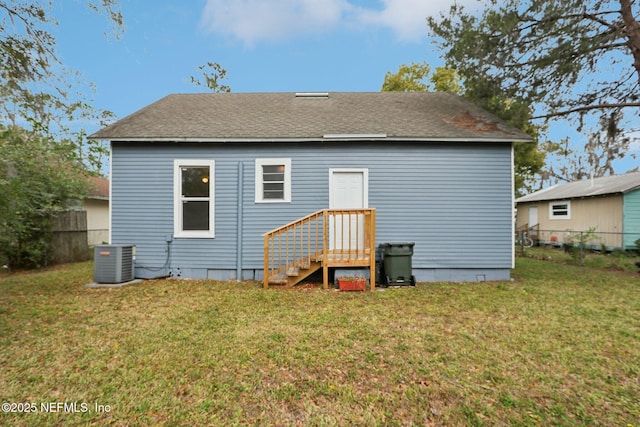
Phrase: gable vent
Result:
[312,94]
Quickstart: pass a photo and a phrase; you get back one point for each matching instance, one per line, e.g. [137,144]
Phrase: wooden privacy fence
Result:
[69,238]
[323,239]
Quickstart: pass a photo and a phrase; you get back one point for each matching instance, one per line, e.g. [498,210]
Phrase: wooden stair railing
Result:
[323,239]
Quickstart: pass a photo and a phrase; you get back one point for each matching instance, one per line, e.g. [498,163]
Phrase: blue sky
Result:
[265,46]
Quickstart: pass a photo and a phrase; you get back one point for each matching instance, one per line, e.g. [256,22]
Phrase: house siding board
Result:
[606,214]
[631,215]
[452,199]
[142,214]
[458,213]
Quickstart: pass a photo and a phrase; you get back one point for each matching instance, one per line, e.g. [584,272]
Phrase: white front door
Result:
[533,216]
[348,189]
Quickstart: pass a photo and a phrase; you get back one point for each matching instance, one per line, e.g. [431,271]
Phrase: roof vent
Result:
[312,94]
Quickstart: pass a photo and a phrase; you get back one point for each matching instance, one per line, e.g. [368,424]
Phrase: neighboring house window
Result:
[273,180]
[560,210]
[193,194]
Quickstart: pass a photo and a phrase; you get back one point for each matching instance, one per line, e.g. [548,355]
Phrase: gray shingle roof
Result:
[285,116]
[598,187]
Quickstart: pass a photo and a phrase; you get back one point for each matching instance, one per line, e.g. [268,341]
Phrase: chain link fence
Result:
[577,243]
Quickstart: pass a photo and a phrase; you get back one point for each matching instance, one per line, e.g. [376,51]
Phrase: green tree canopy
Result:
[574,62]
[37,92]
[417,77]
[528,159]
[409,78]
[38,179]
[44,157]
[212,76]
[566,57]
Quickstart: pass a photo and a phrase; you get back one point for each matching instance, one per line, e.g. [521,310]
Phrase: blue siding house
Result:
[199,183]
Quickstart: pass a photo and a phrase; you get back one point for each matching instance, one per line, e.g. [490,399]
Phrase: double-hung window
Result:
[273,180]
[193,193]
[560,210]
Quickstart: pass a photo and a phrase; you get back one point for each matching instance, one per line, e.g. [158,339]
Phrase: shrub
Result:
[38,179]
[576,241]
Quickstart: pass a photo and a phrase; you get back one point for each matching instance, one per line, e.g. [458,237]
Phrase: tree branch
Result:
[532,23]
[575,54]
[588,108]
[632,31]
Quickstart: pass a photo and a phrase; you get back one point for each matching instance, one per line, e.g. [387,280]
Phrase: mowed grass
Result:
[558,345]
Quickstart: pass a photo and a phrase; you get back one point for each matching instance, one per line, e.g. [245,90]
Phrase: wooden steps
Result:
[323,239]
[295,273]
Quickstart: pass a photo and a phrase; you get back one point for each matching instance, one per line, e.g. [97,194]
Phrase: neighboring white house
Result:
[610,205]
[97,207]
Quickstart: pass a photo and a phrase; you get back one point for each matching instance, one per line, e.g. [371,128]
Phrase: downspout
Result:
[110,192]
[239,219]
[513,209]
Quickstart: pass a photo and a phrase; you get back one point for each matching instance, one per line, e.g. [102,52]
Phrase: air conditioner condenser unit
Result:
[113,263]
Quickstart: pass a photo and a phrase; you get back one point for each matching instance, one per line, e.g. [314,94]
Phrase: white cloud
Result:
[253,21]
[406,18]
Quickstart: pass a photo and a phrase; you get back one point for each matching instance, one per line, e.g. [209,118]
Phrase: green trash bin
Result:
[396,264]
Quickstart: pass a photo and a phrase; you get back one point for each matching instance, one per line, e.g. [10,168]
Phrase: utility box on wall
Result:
[113,263]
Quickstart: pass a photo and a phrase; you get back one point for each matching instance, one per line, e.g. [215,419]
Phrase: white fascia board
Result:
[355,136]
[324,138]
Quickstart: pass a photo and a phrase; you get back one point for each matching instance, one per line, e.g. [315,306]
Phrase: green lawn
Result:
[559,345]
[616,260]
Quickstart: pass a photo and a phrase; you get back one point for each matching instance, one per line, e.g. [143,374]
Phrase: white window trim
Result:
[178,232]
[259,193]
[552,216]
